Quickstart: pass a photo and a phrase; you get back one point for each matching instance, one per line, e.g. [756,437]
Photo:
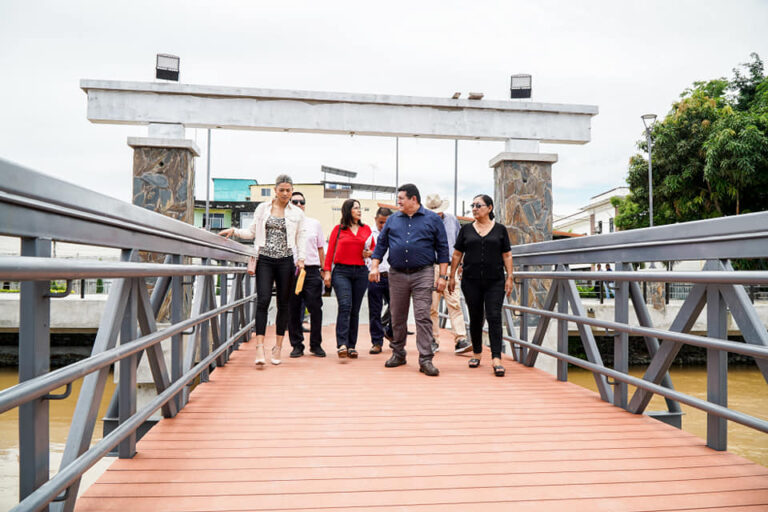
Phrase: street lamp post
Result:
[648,122]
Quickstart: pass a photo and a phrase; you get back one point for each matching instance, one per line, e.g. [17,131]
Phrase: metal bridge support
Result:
[34,360]
[621,339]
[717,368]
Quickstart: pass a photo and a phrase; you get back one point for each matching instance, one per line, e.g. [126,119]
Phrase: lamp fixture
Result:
[520,86]
[167,67]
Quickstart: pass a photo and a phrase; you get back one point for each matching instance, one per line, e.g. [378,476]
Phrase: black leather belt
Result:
[410,270]
[383,274]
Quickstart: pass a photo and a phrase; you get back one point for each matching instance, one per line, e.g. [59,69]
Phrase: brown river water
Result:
[747,392]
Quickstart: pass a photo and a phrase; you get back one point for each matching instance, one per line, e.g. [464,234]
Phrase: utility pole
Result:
[208,184]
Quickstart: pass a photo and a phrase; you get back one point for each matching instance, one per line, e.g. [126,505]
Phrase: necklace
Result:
[483,229]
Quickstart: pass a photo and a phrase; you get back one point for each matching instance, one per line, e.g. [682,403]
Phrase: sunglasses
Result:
[476,205]
[298,201]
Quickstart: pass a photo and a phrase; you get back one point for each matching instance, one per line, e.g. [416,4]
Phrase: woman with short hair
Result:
[345,269]
[484,245]
[278,233]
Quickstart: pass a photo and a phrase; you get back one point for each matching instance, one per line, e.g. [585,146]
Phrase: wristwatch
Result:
[446,276]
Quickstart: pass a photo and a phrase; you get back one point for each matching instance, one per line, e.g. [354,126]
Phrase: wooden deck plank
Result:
[320,434]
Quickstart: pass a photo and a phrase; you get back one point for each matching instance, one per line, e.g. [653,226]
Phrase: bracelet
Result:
[445,277]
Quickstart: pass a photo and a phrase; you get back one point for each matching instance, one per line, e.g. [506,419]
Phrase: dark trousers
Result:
[484,299]
[349,283]
[378,295]
[280,272]
[311,296]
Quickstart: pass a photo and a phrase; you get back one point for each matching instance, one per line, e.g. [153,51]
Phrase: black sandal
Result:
[474,362]
[498,371]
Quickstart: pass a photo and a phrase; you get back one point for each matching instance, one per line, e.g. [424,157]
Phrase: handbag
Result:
[251,268]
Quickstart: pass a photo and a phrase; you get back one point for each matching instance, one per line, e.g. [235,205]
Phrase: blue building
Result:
[232,189]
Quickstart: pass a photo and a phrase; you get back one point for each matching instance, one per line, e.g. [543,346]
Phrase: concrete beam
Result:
[198,106]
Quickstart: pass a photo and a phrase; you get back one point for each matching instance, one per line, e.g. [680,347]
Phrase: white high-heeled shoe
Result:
[260,359]
[276,354]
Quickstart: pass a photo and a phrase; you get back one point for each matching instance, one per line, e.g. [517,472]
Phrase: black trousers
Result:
[484,299]
[310,297]
[279,271]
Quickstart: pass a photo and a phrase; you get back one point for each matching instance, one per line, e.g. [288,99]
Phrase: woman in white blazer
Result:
[278,233]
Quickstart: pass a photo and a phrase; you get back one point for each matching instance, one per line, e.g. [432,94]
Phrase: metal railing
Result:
[547,291]
[40,209]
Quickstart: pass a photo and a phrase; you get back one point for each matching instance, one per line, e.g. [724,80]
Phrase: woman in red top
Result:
[345,254]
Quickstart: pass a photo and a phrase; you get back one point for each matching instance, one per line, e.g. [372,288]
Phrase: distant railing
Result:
[717,286]
[40,209]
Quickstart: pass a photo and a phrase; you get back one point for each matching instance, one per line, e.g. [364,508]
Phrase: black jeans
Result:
[280,272]
[311,296]
[484,298]
[378,295]
[349,283]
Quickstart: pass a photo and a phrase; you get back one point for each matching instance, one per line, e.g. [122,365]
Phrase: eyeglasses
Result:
[298,201]
[476,205]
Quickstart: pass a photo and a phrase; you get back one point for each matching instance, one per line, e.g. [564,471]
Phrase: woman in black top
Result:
[484,245]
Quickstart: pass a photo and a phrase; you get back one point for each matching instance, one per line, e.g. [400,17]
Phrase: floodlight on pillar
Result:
[520,86]
[167,67]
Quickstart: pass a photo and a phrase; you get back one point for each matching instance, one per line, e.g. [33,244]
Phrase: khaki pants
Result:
[402,288]
[453,301]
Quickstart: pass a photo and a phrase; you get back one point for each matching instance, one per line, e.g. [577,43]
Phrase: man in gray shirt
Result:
[438,205]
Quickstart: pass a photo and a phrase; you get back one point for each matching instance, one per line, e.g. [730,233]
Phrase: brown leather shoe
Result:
[376,349]
[429,369]
[394,361]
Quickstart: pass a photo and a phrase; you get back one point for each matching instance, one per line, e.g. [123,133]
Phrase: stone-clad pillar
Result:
[523,203]
[164,182]
[164,176]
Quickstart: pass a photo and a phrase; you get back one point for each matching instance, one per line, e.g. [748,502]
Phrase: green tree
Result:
[710,154]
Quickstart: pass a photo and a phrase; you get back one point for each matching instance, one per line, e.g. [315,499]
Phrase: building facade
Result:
[597,217]
[323,203]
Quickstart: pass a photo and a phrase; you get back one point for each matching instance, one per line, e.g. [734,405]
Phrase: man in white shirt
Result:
[311,295]
[378,292]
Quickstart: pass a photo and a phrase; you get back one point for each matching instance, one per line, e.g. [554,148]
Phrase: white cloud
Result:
[627,59]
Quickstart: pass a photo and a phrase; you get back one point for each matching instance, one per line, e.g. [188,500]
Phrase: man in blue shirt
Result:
[416,240]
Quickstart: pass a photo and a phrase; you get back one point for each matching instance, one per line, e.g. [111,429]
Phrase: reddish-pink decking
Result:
[320,434]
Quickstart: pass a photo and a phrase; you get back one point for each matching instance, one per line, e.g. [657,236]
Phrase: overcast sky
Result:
[628,58]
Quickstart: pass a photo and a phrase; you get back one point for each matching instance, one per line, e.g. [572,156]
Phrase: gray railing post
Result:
[717,368]
[621,339]
[222,301]
[34,360]
[524,286]
[238,311]
[127,383]
[250,287]
[177,314]
[205,342]
[562,327]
